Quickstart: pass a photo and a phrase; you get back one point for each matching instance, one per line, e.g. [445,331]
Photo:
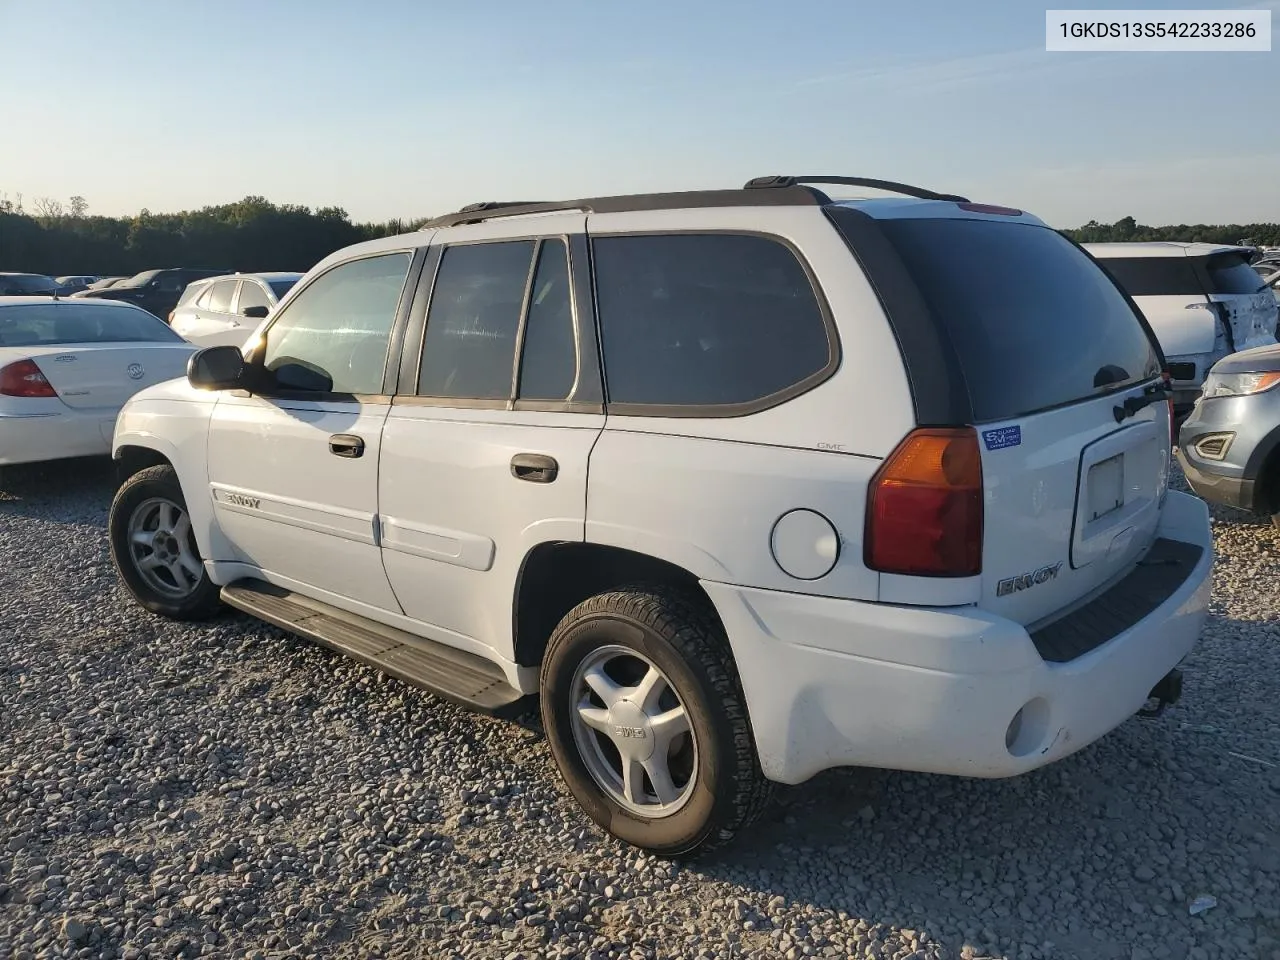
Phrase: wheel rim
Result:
[163,548]
[633,732]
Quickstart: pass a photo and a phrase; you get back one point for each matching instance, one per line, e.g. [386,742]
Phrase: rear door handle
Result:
[346,445]
[534,467]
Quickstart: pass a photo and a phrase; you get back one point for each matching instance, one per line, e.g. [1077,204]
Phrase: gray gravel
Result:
[227,790]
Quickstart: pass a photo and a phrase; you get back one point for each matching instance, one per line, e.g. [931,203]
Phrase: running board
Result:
[455,675]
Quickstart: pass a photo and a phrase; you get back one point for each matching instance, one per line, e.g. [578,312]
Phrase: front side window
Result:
[705,319]
[340,325]
[469,348]
[251,295]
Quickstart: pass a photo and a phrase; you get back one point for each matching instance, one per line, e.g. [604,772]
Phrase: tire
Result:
[176,585]
[714,786]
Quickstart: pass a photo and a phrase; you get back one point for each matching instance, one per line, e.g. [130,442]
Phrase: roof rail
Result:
[785,195]
[779,181]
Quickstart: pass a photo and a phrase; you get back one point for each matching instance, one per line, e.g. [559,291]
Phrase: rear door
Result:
[1050,350]
[485,449]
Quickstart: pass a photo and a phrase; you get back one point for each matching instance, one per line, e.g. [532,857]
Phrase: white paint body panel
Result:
[92,382]
[457,525]
[838,683]
[288,505]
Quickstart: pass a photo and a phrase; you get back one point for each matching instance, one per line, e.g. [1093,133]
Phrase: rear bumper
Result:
[844,683]
[53,437]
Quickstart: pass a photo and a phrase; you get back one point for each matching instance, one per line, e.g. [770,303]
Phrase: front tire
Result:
[646,718]
[154,548]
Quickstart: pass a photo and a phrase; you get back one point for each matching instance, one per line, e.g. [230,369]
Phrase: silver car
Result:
[224,311]
[1229,447]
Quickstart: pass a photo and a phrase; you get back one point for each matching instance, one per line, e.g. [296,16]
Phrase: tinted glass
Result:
[17,284]
[172,282]
[549,362]
[251,295]
[341,324]
[281,287]
[221,295]
[1155,276]
[470,346]
[1230,273]
[140,279]
[1035,323]
[41,324]
[704,319]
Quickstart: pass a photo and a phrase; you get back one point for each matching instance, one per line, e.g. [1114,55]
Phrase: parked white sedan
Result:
[67,367]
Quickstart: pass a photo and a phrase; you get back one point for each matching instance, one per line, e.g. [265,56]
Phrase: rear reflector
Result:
[24,379]
[924,508]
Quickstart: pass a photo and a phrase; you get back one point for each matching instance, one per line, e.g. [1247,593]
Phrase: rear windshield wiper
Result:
[1153,393]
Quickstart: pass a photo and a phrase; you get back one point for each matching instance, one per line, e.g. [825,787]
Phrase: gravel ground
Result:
[227,790]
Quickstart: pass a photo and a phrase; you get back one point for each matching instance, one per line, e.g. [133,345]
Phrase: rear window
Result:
[1155,276]
[706,320]
[26,283]
[1231,273]
[39,324]
[1034,322]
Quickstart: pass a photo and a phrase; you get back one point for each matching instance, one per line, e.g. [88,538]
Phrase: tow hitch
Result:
[1164,693]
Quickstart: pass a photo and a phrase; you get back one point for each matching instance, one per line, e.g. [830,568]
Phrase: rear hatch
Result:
[94,355]
[1048,351]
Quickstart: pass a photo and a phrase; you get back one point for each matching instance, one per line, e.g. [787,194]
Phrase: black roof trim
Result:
[777,182]
[784,196]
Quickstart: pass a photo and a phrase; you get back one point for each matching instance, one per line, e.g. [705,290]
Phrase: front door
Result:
[293,467]
[484,457]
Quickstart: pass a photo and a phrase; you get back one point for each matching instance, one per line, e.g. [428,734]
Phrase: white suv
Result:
[1203,301]
[225,311]
[743,484]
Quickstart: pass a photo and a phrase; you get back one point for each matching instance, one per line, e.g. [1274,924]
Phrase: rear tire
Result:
[673,788]
[154,547]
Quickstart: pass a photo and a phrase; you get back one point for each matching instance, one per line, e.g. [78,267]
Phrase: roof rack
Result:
[782,182]
[784,196]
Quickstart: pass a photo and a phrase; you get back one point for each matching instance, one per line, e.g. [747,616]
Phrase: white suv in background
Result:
[224,311]
[741,484]
[1203,301]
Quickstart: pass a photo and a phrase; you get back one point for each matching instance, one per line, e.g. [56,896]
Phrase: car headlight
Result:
[1239,384]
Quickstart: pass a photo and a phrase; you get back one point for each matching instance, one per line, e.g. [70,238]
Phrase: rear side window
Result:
[1034,322]
[705,320]
[221,296]
[190,294]
[1231,273]
[470,345]
[1155,276]
[548,364]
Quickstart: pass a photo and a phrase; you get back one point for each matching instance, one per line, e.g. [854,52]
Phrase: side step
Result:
[455,675]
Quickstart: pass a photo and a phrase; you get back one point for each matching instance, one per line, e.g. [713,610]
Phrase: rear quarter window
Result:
[700,322]
[1033,322]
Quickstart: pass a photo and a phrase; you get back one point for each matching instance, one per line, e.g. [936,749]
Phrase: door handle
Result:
[346,445]
[534,467]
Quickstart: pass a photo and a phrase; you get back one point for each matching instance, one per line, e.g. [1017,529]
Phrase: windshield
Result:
[139,279]
[71,321]
[281,287]
[1033,321]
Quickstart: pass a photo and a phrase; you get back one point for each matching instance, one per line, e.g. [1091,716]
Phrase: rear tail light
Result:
[924,509]
[24,379]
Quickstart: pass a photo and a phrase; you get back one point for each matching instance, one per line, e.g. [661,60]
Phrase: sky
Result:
[407,108]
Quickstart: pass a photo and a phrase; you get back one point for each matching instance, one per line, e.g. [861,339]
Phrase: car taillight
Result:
[24,379]
[924,508]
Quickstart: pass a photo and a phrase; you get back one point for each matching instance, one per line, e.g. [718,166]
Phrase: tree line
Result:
[254,234]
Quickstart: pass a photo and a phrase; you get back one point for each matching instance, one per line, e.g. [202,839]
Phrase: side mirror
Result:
[216,368]
[256,313]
